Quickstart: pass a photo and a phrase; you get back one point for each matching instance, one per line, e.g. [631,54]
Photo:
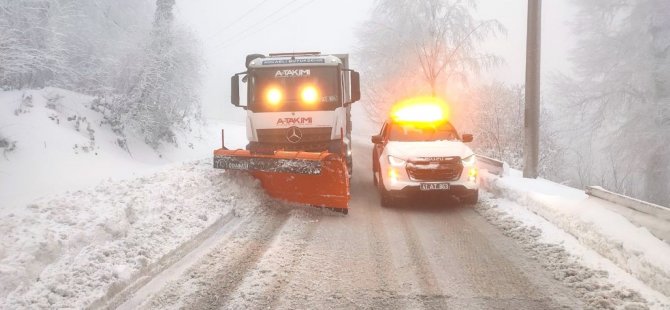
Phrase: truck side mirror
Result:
[467,138]
[355,86]
[235,90]
[377,139]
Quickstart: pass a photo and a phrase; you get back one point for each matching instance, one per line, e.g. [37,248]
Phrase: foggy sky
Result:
[330,26]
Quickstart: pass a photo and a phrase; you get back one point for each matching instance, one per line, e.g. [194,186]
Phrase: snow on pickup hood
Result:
[406,150]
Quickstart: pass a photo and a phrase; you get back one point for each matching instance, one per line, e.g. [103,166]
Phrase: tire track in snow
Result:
[378,242]
[223,270]
[477,256]
[431,292]
[172,266]
[379,246]
[267,281]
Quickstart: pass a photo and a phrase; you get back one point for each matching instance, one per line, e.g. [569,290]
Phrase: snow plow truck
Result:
[298,124]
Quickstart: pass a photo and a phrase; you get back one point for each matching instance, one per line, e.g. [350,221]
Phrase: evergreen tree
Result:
[617,102]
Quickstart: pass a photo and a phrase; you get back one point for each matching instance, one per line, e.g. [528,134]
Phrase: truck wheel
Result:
[471,199]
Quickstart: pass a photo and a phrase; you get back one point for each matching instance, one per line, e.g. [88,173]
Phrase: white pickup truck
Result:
[416,156]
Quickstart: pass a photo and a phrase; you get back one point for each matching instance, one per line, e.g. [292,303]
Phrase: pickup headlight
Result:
[396,162]
[469,161]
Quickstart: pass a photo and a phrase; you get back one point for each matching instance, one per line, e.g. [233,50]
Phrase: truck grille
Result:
[271,147]
[312,140]
[446,169]
[309,135]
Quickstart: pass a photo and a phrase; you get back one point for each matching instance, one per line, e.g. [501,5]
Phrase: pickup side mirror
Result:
[355,86]
[235,90]
[467,138]
[377,139]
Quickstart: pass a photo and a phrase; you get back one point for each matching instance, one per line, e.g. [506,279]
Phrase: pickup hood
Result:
[407,150]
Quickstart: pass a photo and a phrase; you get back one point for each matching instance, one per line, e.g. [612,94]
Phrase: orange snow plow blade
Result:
[318,179]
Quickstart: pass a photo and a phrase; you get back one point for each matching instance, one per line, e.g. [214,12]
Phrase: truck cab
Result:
[298,102]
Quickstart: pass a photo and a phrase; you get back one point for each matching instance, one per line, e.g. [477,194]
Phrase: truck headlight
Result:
[469,161]
[309,95]
[396,162]
[274,96]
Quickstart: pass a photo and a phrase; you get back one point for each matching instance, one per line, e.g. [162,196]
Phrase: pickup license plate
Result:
[434,186]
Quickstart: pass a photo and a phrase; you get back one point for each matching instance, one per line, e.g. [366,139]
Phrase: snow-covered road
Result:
[420,255]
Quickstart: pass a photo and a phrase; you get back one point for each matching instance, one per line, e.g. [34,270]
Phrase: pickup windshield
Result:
[282,89]
[422,132]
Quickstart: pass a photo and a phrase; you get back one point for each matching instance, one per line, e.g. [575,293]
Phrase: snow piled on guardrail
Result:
[78,248]
[632,248]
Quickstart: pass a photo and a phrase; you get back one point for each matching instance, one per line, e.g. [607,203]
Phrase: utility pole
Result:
[532,111]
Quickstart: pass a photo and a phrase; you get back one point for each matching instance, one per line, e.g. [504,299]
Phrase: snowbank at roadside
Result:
[610,234]
[61,143]
[129,205]
[594,279]
[78,247]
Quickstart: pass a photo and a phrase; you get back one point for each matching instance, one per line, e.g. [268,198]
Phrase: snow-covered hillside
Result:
[58,146]
[61,143]
[76,248]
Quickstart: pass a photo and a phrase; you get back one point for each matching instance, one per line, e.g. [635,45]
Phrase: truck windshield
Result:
[422,132]
[295,89]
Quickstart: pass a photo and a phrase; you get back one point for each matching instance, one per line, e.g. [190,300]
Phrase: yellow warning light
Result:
[420,110]
[274,96]
[309,95]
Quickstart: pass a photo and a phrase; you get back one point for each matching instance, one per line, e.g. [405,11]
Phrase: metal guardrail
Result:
[629,202]
[494,166]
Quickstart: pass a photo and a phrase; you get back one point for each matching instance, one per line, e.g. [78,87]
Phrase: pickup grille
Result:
[446,169]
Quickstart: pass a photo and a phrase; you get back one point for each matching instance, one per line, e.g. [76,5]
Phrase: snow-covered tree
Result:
[495,115]
[31,52]
[143,66]
[74,44]
[420,47]
[616,103]
[165,93]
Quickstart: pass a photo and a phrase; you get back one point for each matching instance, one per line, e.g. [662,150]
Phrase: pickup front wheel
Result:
[385,197]
[472,198]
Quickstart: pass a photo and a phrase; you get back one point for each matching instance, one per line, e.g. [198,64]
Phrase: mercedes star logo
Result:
[294,134]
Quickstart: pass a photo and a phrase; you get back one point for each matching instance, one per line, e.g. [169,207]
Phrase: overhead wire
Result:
[229,25]
[263,25]
[262,21]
